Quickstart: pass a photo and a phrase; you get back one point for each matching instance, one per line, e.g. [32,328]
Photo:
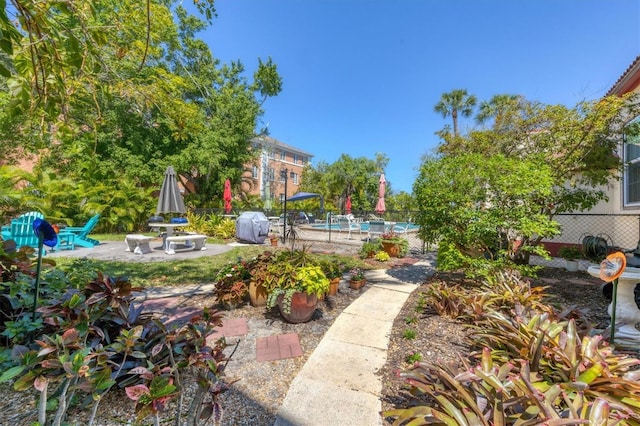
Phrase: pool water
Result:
[364,226]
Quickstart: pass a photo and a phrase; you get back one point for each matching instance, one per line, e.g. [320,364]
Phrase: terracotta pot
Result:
[274,242]
[356,285]
[303,306]
[334,284]
[257,294]
[392,249]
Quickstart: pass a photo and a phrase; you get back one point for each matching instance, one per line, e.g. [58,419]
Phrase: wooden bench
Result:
[138,243]
[190,240]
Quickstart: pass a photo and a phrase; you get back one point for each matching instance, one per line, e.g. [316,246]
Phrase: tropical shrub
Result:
[85,342]
[530,366]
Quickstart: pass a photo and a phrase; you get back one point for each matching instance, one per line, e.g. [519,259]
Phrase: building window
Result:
[631,177]
[294,178]
[282,198]
[254,172]
[272,174]
[283,155]
[295,158]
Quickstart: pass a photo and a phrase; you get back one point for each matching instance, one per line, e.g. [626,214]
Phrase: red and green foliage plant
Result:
[96,339]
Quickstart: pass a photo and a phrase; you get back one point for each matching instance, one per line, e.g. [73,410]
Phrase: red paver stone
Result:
[230,327]
[281,346]
[159,305]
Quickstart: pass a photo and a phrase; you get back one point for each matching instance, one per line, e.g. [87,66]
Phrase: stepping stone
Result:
[550,280]
[230,327]
[281,346]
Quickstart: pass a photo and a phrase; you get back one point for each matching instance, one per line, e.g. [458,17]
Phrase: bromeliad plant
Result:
[532,367]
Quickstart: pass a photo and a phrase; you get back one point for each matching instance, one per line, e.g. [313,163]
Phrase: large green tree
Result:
[579,143]
[533,162]
[347,176]
[125,100]
[486,207]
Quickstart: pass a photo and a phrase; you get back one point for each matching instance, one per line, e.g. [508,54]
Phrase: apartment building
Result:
[266,177]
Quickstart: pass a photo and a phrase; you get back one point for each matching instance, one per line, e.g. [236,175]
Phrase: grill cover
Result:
[252,227]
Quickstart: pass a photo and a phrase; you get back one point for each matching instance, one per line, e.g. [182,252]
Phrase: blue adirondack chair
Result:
[21,230]
[82,233]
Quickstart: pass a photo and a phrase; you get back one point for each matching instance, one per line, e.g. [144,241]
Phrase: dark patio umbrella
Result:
[380,207]
[227,196]
[170,199]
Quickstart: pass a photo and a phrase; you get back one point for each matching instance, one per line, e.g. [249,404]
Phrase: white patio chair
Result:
[348,226]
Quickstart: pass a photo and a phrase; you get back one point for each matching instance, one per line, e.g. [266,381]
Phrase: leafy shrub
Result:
[90,339]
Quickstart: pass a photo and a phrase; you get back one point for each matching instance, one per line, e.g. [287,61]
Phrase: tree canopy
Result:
[347,176]
[495,189]
[97,96]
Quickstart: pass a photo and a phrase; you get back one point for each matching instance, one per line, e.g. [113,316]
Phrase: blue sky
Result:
[362,76]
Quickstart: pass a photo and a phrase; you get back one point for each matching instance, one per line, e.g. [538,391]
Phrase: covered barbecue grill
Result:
[252,227]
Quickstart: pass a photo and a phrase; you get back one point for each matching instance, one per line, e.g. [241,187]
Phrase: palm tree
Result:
[496,107]
[456,102]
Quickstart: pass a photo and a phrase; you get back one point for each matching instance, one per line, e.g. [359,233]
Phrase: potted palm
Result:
[571,255]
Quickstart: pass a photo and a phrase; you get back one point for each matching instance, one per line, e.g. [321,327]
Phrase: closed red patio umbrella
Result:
[347,204]
[380,207]
[227,196]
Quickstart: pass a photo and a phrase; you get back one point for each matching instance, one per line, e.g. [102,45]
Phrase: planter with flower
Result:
[273,238]
[231,289]
[295,290]
[394,245]
[333,272]
[357,279]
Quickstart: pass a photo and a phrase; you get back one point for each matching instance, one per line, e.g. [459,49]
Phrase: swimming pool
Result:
[364,226]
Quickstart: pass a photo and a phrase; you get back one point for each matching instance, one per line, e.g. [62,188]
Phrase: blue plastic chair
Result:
[21,230]
[82,238]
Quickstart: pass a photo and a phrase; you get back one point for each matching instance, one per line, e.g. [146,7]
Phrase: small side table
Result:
[66,241]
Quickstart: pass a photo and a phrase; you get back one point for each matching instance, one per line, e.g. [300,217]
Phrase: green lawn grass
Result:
[177,272]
